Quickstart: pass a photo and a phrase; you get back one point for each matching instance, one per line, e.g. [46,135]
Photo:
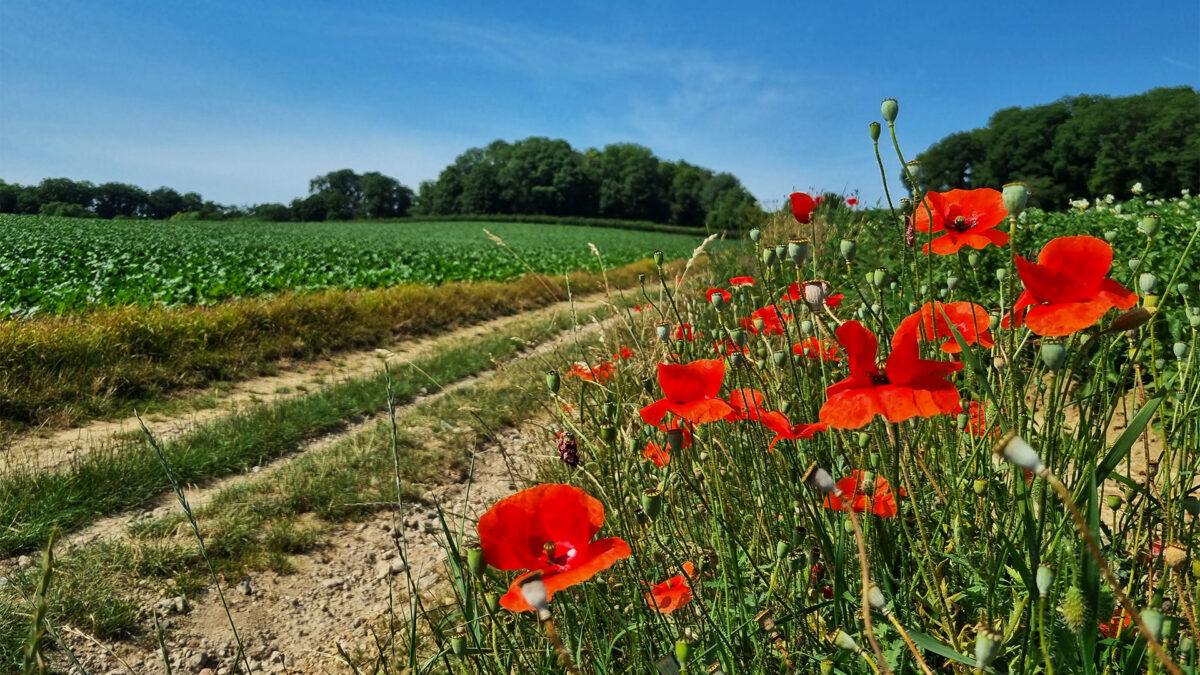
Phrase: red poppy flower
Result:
[673,593]
[877,498]
[814,293]
[908,386]
[977,421]
[968,217]
[1068,288]
[802,206]
[816,348]
[772,320]
[684,332]
[600,373]
[725,295]
[747,404]
[1118,623]
[969,319]
[625,353]
[741,281]
[784,429]
[547,528]
[657,454]
[690,391]
[729,347]
[637,308]
[851,201]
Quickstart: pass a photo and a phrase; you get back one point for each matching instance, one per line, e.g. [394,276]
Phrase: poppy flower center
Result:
[879,379]
[960,224]
[558,556]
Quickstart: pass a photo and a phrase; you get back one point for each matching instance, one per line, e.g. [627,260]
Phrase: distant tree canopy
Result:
[1077,147]
[542,176]
[535,176]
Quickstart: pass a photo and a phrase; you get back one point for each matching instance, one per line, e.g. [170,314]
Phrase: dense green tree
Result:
[67,191]
[164,203]
[121,199]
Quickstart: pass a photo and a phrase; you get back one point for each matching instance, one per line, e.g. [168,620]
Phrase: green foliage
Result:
[1078,146]
[58,265]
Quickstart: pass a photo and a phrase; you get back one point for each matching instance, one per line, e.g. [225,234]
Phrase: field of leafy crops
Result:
[55,265]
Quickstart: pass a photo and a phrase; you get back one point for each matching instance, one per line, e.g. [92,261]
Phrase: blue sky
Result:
[246,101]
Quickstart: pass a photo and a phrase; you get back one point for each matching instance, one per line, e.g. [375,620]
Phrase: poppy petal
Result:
[702,412]
[654,413]
[850,409]
[682,382]
[1065,318]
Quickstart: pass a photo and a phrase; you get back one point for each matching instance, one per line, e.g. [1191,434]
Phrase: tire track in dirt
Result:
[58,449]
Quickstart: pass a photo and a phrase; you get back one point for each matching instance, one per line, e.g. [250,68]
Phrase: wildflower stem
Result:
[563,656]
[1042,635]
[1094,550]
[908,641]
[868,626]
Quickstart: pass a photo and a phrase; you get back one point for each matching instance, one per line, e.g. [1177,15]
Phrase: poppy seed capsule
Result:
[1054,355]
[755,235]
[1154,621]
[952,282]
[1148,283]
[1015,196]
[1044,579]
[475,562]
[1110,235]
[781,252]
[658,258]
[875,597]
[962,420]
[842,640]
[737,359]
[493,602]
[1014,449]
[1114,501]
[798,250]
[674,440]
[848,249]
[889,109]
[973,259]
[759,324]
[1175,556]
[912,170]
[652,502]
[806,327]
[1149,224]
[683,650]
[827,664]
[979,486]
[608,433]
[875,128]
[553,381]
[1134,263]
[879,276]
[987,645]
[458,645]
[780,358]
[1001,274]
[768,256]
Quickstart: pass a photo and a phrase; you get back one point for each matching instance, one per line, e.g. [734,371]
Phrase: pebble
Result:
[245,588]
[332,583]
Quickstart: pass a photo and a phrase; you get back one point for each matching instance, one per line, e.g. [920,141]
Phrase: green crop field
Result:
[55,265]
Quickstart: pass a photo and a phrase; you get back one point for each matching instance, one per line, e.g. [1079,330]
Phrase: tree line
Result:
[1079,146]
[534,176]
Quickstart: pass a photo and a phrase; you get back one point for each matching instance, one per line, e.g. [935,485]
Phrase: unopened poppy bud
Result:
[475,562]
[683,650]
[1044,579]
[1110,235]
[1148,283]
[820,480]
[658,258]
[879,276]
[1154,621]
[458,645]
[952,281]
[663,331]
[1014,449]
[652,502]
[987,645]
[1054,355]
[1130,320]
[979,486]
[889,109]
[798,250]
[848,248]
[1134,263]
[533,590]
[1149,224]
[842,640]
[768,256]
[608,433]
[875,597]
[874,128]
[1175,556]
[755,235]
[806,327]
[1114,501]
[1016,196]
[553,381]
[1001,274]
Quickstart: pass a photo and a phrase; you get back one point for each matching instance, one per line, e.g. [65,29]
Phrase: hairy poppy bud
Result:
[1054,355]
[875,128]
[962,421]
[1130,320]
[1073,610]
[798,251]
[1016,196]
[1149,224]
[889,109]
[987,645]
[652,502]
[1044,579]
[475,562]
[1180,349]
[755,235]
[658,258]
[553,381]
[1014,449]
[768,256]
[848,248]
[1148,283]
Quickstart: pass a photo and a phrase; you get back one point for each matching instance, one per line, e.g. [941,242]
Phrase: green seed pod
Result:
[875,597]
[1154,621]
[893,285]
[652,502]
[848,248]
[493,602]
[1134,263]
[1149,224]
[755,235]
[806,327]
[1044,579]
[1187,646]
[1054,355]
[906,206]
[889,109]
[874,128]
[848,526]
[680,346]
[1148,283]
[987,645]
[781,549]
[993,321]
[608,433]
[1073,610]
[842,640]
[962,421]
[798,250]
[658,258]
[863,439]
[475,562]
[1194,320]
[717,301]
[795,561]
[1114,501]
[979,486]
[458,645]
[1001,274]
[912,170]
[1015,196]
[973,259]
[1180,349]
[924,289]
[683,651]
[1159,364]
[737,359]
[876,309]
[780,358]
[1110,235]
[768,256]
[879,276]
[952,281]
[553,381]
[781,252]
[610,409]
[942,293]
